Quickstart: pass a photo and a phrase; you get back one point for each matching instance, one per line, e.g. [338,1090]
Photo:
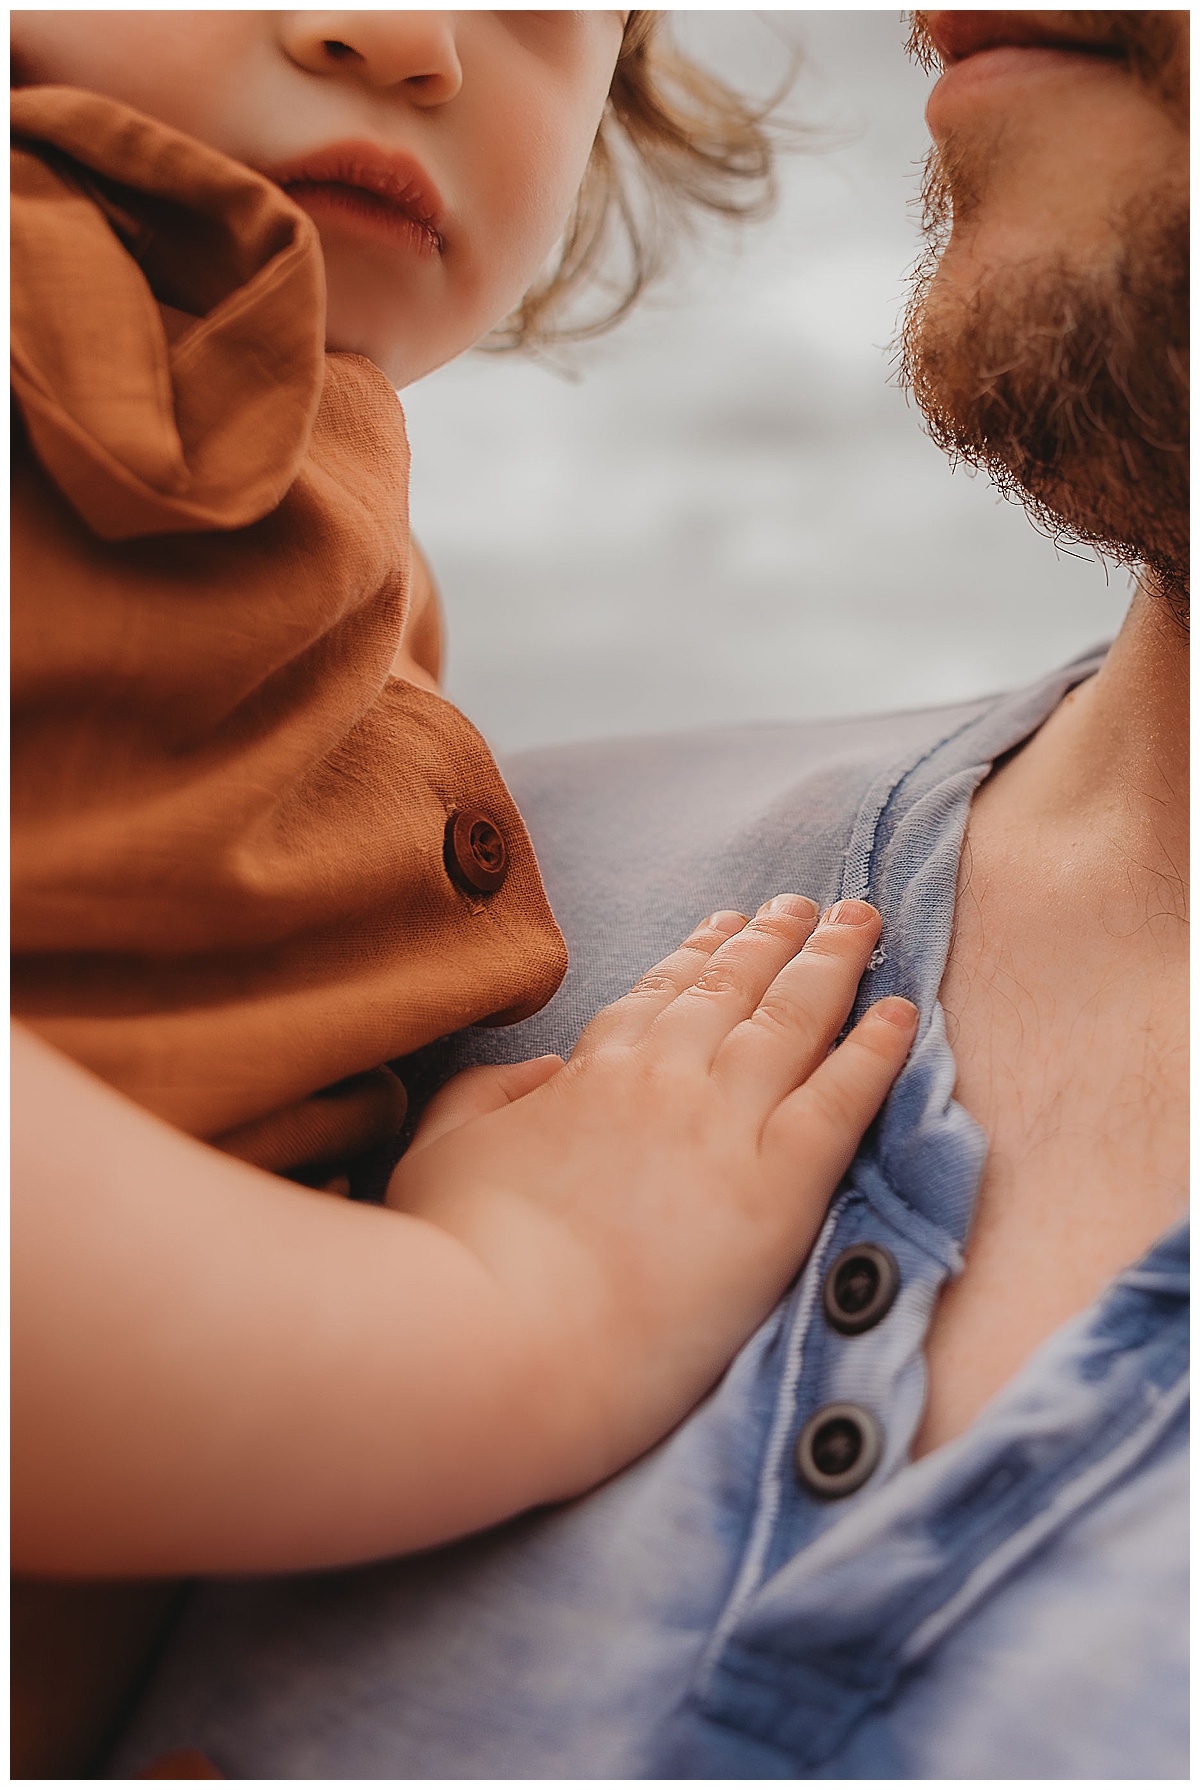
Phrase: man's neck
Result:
[1065,995]
[1106,778]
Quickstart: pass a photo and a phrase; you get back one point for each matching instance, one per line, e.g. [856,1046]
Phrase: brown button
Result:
[476,855]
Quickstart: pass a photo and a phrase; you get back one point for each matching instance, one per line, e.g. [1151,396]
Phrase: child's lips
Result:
[383,190]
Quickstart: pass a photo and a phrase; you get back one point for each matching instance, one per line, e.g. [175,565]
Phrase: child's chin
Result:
[397,366]
[343,344]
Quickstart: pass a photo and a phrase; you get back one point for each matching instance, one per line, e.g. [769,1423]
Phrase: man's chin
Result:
[1068,386]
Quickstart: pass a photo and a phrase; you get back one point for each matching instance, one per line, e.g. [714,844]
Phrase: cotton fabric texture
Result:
[229,891]
[1013,1605]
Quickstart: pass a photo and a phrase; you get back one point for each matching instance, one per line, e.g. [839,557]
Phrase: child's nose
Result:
[382,49]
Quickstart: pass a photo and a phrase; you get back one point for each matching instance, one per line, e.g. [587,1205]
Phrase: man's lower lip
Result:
[1005,65]
[362,214]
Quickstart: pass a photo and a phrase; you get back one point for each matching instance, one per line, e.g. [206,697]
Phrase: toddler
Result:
[257,856]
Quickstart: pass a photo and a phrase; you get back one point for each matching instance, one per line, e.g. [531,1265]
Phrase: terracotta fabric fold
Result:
[229,889]
[143,435]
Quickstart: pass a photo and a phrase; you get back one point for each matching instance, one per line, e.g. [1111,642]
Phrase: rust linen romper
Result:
[255,854]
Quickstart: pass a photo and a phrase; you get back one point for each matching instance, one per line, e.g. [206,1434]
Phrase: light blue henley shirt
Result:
[1012,1605]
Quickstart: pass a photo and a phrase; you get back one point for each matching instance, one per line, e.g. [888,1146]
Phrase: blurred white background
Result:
[728,512]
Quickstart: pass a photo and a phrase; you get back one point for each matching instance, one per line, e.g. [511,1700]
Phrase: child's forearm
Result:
[217,1371]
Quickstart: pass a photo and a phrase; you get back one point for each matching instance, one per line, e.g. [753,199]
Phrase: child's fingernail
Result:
[851,913]
[725,920]
[798,905]
[898,1012]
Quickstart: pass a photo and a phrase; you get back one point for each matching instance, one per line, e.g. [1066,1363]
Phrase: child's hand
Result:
[648,1201]
[217,1371]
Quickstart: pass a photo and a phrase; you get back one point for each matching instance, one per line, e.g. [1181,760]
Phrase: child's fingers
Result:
[475,1092]
[626,1020]
[736,980]
[821,1123]
[803,1009]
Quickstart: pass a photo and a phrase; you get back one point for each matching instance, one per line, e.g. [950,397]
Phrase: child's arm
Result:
[215,1370]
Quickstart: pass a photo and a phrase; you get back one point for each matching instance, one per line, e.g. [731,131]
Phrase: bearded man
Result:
[933,1523]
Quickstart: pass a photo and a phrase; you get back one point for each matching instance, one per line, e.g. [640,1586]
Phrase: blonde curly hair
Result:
[673,139]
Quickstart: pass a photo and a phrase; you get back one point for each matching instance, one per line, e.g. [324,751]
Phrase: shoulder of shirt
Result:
[796,746]
[787,748]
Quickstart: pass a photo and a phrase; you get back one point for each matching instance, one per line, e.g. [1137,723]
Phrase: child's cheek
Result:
[530,199]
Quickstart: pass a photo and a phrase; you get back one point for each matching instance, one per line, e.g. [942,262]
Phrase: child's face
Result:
[475,126]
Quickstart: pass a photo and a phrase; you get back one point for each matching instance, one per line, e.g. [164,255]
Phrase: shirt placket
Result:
[838,1597]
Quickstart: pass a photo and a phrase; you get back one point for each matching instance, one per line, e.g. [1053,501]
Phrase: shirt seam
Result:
[770,1491]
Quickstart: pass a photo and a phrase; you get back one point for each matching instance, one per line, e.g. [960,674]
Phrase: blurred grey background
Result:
[726,511]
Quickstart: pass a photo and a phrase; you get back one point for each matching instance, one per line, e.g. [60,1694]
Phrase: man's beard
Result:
[1068,388]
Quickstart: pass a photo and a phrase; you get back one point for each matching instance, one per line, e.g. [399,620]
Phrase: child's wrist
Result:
[576,1348]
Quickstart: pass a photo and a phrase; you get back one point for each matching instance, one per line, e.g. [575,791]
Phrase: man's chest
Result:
[1071,1056]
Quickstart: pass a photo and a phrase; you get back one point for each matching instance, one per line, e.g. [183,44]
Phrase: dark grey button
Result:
[838,1450]
[860,1287]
